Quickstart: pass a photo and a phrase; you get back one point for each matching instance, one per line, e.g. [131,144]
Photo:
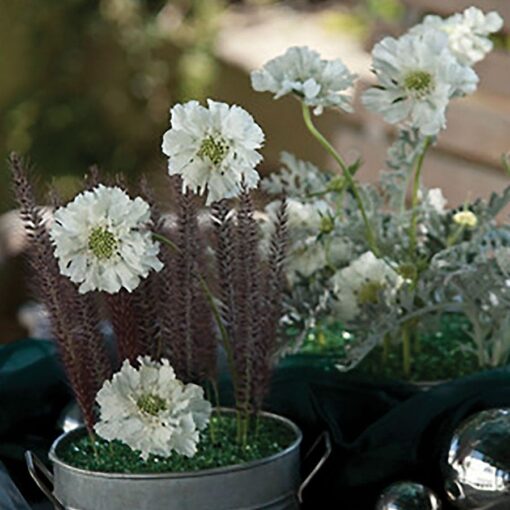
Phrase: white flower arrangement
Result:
[105,241]
[213,149]
[102,241]
[151,411]
[301,71]
[344,243]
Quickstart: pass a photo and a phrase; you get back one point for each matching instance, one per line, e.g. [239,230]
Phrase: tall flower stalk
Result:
[415,197]
[351,183]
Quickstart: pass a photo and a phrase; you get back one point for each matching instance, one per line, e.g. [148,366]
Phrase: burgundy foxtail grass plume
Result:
[250,290]
[73,317]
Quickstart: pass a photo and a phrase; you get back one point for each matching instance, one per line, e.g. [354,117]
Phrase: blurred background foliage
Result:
[83,81]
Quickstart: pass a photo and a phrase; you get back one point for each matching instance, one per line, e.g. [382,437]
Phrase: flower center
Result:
[368,293]
[419,82]
[102,243]
[151,404]
[214,149]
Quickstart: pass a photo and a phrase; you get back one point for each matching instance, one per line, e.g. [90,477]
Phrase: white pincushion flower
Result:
[213,148]
[102,241]
[301,71]
[151,411]
[363,282]
[434,199]
[468,33]
[418,75]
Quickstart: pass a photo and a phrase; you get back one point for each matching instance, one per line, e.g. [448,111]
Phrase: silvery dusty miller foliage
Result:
[426,255]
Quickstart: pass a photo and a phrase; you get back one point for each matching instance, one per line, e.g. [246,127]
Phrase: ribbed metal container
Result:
[270,484]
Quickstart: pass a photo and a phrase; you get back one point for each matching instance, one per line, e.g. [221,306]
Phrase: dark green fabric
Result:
[33,392]
[382,431]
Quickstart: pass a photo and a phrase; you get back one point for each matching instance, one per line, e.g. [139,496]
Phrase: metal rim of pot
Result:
[53,456]
[34,464]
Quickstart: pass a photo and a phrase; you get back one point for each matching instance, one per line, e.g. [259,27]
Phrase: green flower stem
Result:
[453,238]
[163,239]
[92,439]
[347,175]
[213,396]
[414,200]
[225,339]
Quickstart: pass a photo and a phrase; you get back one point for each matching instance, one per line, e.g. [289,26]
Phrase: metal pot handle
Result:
[327,452]
[34,464]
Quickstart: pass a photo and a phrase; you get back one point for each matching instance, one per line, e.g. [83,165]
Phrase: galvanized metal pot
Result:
[271,483]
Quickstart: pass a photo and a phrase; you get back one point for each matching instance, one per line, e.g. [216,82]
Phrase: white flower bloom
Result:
[213,148]
[151,411]
[102,241]
[300,70]
[311,255]
[363,282]
[435,200]
[468,33]
[418,75]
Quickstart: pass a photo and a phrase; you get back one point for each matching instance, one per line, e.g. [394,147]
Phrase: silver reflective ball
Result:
[408,496]
[477,470]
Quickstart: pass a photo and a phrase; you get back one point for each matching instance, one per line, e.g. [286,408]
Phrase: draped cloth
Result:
[382,431]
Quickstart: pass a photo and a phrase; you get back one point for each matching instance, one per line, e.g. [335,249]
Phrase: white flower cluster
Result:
[468,32]
[364,282]
[213,148]
[151,411]
[102,241]
[301,71]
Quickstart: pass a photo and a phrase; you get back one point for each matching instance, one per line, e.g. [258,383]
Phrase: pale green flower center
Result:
[419,82]
[368,293]
[151,404]
[102,243]
[214,149]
